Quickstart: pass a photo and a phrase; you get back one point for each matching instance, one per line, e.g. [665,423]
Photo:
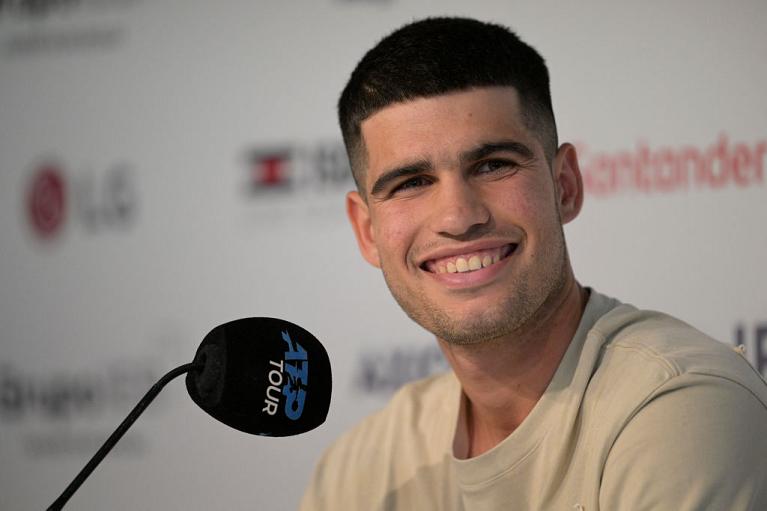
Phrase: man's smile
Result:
[468,261]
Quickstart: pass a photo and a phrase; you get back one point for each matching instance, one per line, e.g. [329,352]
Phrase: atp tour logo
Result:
[296,365]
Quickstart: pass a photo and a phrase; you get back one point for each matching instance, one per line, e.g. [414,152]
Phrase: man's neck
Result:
[504,379]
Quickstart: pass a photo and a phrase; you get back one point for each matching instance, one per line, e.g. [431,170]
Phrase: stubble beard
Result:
[521,307]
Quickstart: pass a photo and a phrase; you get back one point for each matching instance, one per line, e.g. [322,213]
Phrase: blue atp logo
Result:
[296,365]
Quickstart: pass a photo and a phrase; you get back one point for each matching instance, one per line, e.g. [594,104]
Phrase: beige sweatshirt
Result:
[643,413]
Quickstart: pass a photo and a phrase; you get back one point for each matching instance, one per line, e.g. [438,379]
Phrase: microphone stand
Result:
[58,504]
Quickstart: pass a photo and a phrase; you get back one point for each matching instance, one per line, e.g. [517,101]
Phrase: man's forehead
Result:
[505,97]
[442,125]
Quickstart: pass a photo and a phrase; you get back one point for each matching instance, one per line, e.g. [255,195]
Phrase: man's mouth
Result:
[470,261]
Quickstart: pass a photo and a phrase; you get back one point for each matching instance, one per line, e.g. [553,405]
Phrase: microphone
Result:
[263,376]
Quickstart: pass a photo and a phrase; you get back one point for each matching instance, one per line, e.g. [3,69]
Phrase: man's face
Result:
[463,213]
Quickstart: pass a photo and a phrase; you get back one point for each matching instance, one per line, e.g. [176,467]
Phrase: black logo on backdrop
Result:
[384,371]
[35,8]
[38,9]
[27,37]
[37,405]
[65,395]
[754,339]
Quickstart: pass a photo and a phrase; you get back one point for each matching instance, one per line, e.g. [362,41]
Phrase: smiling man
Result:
[559,397]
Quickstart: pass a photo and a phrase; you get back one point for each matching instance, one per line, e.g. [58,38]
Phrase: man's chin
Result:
[461,320]
[467,329]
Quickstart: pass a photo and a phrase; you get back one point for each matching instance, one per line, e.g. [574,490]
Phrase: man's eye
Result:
[413,182]
[493,166]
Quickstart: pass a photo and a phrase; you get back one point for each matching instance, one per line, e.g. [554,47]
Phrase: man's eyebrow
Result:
[489,148]
[392,175]
[477,153]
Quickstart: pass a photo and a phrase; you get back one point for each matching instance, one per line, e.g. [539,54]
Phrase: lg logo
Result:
[93,200]
[46,201]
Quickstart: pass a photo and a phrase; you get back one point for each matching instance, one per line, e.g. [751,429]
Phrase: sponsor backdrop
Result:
[167,166]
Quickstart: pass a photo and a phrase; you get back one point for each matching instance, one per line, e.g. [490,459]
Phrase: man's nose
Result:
[459,209]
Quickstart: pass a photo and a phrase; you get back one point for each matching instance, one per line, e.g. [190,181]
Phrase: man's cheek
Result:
[392,242]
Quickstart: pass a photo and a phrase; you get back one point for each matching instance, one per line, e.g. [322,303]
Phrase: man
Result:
[559,397]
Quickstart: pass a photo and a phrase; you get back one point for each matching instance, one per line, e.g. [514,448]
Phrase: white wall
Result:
[150,112]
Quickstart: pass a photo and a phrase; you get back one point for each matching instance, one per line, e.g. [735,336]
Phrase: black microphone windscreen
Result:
[263,376]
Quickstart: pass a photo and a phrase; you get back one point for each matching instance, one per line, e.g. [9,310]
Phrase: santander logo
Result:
[665,169]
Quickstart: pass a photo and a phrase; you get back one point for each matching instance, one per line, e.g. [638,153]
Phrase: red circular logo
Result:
[46,201]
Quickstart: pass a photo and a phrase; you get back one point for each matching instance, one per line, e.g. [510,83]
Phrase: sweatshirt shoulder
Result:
[667,347]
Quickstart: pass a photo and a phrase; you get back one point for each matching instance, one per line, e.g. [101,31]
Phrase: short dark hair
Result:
[436,56]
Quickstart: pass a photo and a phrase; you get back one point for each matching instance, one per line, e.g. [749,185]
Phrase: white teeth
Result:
[466,263]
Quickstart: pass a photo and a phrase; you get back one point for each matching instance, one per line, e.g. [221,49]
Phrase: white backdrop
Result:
[138,141]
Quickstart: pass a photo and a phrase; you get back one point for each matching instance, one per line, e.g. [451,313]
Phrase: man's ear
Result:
[568,182]
[359,216]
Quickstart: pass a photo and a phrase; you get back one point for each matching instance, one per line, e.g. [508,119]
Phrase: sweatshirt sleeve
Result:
[700,443]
